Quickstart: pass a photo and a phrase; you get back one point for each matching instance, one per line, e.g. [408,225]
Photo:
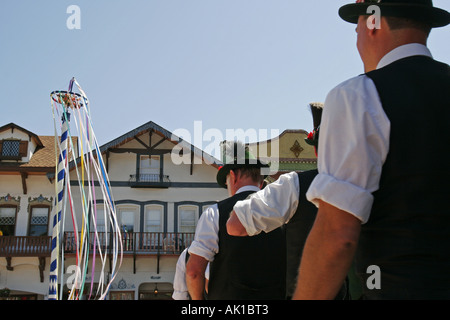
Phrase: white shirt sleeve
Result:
[353,145]
[271,207]
[207,271]
[206,239]
[180,290]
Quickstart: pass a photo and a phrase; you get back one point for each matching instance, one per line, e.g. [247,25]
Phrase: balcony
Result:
[138,243]
[40,247]
[134,244]
[149,181]
[145,243]
[11,246]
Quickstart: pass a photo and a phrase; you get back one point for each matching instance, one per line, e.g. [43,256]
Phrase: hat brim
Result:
[310,142]
[223,172]
[435,17]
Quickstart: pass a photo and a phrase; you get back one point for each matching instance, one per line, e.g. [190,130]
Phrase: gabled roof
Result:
[43,158]
[30,134]
[151,126]
[145,128]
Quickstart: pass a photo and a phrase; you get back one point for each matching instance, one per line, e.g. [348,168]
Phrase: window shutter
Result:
[23,149]
[1,147]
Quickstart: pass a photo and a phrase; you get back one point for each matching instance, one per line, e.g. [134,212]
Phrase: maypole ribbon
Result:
[90,174]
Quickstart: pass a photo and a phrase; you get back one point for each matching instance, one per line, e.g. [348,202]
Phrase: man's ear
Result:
[232,176]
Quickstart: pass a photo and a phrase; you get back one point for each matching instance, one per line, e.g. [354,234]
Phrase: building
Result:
[285,153]
[158,202]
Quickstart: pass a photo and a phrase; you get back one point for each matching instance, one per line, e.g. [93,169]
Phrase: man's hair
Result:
[396,23]
[253,173]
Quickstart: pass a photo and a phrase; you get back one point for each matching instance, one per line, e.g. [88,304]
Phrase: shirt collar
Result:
[407,50]
[247,188]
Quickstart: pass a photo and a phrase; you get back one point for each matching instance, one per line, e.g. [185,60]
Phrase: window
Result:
[153,218]
[187,218]
[150,168]
[8,220]
[10,148]
[99,217]
[127,220]
[13,149]
[39,221]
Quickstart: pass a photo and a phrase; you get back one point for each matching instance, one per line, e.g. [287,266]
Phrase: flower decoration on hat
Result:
[313,137]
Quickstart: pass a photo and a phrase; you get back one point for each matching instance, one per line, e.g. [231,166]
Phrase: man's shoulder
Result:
[351,82]
[360,86]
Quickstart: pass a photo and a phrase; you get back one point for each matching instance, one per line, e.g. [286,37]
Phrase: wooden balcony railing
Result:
[138,242]
[149,181]
[11,246]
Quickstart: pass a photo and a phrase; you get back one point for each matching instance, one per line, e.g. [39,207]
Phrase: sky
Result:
[197,66]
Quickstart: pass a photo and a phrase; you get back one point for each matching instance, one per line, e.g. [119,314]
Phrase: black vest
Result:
[297,230]
[408,232]
[247,267]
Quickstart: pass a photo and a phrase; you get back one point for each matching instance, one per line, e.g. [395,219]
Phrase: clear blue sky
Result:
[249,64]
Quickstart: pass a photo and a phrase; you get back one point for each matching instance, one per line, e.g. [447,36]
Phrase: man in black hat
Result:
[240,268]
[378,201]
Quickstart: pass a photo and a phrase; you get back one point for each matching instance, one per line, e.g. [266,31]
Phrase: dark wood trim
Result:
[24,176]
[157,144]
[41,268]
[107,160]
[21,168]
[8,264]
[192,160]
[142,142]
[141,151]
[125,184]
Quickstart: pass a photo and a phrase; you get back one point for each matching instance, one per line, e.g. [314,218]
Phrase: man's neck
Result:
[387,40]
[244,184]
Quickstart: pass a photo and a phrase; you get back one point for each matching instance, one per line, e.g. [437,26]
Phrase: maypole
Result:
[55,253]
[91,174]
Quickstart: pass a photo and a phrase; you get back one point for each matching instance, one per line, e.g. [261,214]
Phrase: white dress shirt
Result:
[180,289]
[354,141]
[353,145]
[271,207]
[206,239]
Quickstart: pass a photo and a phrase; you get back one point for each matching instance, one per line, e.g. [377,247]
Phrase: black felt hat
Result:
[234,156]
[420,10]
[316,111]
